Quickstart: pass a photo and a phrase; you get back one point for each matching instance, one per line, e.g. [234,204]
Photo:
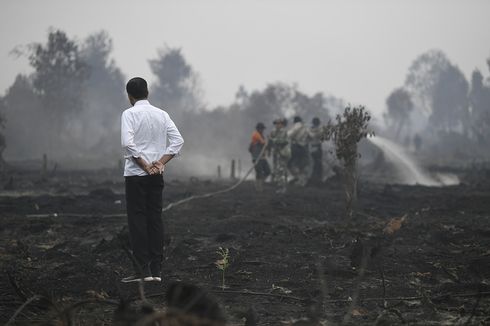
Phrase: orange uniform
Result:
[257,138]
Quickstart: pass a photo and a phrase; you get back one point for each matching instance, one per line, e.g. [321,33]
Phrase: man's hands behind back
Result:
[155,167]
[158,167]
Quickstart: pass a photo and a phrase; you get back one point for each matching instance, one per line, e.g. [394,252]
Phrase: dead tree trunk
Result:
[350,186]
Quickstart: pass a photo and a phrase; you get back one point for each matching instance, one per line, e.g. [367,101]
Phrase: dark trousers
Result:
[262,169]
[299,157]
[144,209]
[317,171]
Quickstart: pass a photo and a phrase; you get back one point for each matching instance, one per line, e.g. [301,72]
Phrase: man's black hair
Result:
[137,88]
[260,126]
[297,119]
[315,121]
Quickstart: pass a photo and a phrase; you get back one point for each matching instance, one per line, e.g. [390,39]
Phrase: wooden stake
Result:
[232,175]
[45,165]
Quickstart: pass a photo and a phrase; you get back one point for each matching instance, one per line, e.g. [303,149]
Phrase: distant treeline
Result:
[438,112]
[70,106]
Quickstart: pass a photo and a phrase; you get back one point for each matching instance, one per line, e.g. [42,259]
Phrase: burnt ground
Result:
[293,257]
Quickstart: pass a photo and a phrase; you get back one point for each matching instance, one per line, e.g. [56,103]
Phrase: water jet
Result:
[407,169]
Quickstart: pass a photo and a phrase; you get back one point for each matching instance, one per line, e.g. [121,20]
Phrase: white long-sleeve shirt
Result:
[149,133]
[298,134]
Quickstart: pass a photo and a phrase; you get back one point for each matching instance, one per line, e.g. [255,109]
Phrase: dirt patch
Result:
[293,257]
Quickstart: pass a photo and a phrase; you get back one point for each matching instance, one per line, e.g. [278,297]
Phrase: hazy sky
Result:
[358,50]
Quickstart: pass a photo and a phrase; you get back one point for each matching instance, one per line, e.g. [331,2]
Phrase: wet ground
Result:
[294,258]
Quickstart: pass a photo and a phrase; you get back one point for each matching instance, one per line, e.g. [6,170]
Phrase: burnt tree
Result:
[349,129]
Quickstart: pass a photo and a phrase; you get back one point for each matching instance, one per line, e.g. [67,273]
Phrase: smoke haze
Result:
[66,91]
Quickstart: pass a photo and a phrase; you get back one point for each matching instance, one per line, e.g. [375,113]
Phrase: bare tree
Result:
[104,97]
[440,90]
[479,98]
[450,101]
[400,106]
[58,79]
[350,128]
[26,128]
[423,76]
[177,88]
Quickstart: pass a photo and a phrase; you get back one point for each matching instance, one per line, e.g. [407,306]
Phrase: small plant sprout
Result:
[223,263]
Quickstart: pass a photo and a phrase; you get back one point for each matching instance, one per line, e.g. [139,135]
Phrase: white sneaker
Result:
[134,278]
[130,279]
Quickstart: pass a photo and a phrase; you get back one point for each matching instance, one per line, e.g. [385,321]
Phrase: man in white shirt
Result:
[315,134]
[150,140]
[298,135]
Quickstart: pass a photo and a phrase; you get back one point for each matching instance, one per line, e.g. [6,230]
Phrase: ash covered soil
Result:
[293,257]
